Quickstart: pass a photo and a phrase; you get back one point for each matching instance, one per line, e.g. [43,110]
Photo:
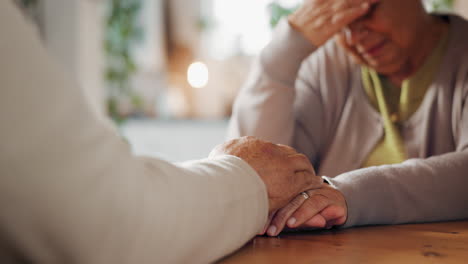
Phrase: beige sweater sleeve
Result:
[289,99]
[418,190]
[265,105]
[72,192]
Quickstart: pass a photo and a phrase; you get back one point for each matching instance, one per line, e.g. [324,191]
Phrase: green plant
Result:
[121,34]
[277,11]
[440,5]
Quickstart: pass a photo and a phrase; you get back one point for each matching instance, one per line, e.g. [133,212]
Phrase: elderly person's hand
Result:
[319,20]
[284,171]
[319,208]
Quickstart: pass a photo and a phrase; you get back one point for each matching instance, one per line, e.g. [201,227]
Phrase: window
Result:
[241,26]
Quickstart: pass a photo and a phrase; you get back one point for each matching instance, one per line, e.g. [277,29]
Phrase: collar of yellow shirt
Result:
[397,105]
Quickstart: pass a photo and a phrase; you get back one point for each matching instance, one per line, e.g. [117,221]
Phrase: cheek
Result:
[396,53]
[392,61]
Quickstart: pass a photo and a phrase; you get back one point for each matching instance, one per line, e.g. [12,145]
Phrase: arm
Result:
[285,103]
[265,105]
[71,191]
[418,190]
[415,191]
[281,100]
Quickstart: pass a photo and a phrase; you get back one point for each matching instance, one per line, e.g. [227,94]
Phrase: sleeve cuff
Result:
[365,196]
[347,191]
[252,179]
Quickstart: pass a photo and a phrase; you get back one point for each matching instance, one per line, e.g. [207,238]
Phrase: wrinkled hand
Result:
[284,171]
[319,20]
[325,208]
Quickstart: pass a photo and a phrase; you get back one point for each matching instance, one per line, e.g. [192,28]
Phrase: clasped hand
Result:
[284,171]
[323,207]
[319,20]
[286,175]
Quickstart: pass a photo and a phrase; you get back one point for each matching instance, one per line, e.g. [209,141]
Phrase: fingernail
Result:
[291,221]
[272,230]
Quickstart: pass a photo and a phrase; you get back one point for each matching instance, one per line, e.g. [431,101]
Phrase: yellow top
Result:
[396,105]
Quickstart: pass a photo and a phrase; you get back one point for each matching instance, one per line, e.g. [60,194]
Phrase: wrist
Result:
[314,37]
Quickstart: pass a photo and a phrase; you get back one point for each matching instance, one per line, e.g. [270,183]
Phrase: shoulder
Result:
[457,51]
[453,71]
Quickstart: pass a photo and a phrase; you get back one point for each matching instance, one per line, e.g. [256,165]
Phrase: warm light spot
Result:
[197,75]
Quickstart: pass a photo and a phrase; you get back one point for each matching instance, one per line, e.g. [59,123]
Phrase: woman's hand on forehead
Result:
[319,20]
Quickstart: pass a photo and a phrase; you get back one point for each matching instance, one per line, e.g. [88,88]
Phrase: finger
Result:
[358,2]
[338,6]
[334,215]
[348,15]
[331,224]
[309,13]
[337,9]
[270,218]
[284,214]
[315,204]
[317,221]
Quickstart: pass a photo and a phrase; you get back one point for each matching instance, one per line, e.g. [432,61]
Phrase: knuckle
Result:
[338,5]
[301,158]
[268,145]
[317,180]
[340,211]
[248,138]
[295,203]
[289,148]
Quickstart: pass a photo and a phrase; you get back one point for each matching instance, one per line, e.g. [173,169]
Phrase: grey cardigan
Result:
[313,99]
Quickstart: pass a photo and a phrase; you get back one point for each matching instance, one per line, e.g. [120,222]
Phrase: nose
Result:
[355,32]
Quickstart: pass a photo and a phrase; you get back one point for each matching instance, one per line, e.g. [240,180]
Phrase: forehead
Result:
[400,6]
[396,10]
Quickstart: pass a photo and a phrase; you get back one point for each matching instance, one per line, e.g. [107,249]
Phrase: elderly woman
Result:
[375,93]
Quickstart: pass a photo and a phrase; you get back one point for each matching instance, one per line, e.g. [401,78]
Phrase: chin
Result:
[402,69]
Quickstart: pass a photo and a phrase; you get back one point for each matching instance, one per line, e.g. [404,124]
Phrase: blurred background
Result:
[166,71]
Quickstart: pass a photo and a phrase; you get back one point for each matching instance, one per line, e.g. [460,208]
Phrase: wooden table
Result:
[417,243]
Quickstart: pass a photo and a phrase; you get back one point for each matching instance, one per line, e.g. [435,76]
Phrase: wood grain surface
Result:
[416,243]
